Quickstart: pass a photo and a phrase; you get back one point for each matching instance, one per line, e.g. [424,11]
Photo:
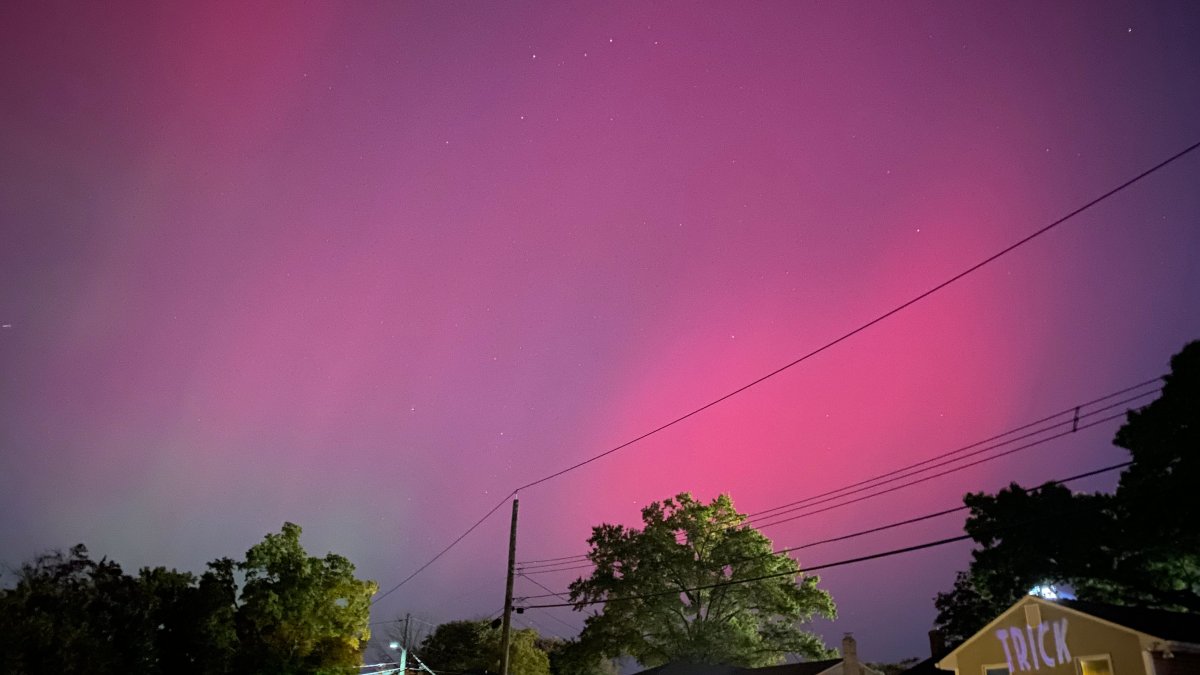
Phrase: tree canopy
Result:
[474,646]
[68,613]
[1138,545]
[673,591]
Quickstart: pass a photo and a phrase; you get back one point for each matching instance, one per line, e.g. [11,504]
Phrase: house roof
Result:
[1147,624]
[805,668]
[929,665]
[1174,626]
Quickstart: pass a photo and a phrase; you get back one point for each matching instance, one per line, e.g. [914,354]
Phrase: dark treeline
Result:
[291,613]
[1139,545]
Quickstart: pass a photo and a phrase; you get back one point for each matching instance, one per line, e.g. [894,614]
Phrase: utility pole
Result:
[505,631]
[407,638]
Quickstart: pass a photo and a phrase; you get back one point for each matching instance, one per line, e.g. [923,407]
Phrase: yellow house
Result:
[1070,637]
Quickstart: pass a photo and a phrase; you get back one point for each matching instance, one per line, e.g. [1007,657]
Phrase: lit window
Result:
[1094,665]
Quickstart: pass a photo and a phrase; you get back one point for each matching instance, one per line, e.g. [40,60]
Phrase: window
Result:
[995,670]
[1094,665]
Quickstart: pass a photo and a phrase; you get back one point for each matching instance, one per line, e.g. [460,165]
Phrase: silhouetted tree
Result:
[67,613]
[1138,545]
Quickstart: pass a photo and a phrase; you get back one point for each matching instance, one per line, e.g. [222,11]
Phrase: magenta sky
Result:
[369,266]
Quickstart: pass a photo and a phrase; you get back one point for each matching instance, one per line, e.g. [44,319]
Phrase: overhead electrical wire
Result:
[815,568]
[551,594]
[643,596]
[973,268]
[443,552]
[775,520]
[873,530]
[881,492]
[565,563]
[1077,410]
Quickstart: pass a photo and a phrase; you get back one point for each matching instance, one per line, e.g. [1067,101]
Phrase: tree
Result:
[674,591]
[300,614]
[457,646]
[895,668]
[1136,546]
[68,613]
[567,658]
[1157,499]
[474,646]
[407,630]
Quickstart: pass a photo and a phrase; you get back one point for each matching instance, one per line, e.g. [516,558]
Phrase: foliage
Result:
[406,630]
[67,613]
[676,572]
[300,614]
[895,668]
[1135,546]
[474,646]
[567,658]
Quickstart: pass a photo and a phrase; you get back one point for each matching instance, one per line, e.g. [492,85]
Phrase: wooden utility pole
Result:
[505,631]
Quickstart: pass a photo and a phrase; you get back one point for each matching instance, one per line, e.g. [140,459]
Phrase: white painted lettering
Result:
[1032,647]
[1019,650]
[1061,653]
[1003,635]
[1043,628]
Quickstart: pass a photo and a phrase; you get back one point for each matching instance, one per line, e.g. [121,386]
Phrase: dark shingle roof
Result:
[1175,626]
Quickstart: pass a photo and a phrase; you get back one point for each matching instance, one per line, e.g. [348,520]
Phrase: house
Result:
[1069,637]
[847,664]
[937,651]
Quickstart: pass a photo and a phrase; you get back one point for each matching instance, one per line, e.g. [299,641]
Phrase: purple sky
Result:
[369,266]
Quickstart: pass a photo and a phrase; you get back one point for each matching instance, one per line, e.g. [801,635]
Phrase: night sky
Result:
[369,266]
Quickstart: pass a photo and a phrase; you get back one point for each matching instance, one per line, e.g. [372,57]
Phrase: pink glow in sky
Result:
[369,266]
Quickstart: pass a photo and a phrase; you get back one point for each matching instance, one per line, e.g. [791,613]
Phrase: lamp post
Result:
[403,669]
[403,655]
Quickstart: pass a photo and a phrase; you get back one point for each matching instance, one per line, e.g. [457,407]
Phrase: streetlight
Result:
[396,646]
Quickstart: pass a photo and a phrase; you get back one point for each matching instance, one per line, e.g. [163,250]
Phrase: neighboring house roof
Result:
[929,665]
[1173,626]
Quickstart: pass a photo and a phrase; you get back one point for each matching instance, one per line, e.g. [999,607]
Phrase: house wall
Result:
[1059,632]
[1179,664]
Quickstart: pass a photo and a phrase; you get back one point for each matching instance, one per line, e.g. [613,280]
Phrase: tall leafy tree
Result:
[1157,498]
[299,613]
[673,590]
[474,646]
[1138,545]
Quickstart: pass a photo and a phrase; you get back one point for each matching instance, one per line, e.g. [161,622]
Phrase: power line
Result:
[884,554]
[889,490]
[561,569]
[1075,427]
[992,258]
[944,512]
[880,528]
[881,317]
[816,568]
[541,586]
[569,562]
[957,451]
[944,473]
[551,594]
[444,551]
